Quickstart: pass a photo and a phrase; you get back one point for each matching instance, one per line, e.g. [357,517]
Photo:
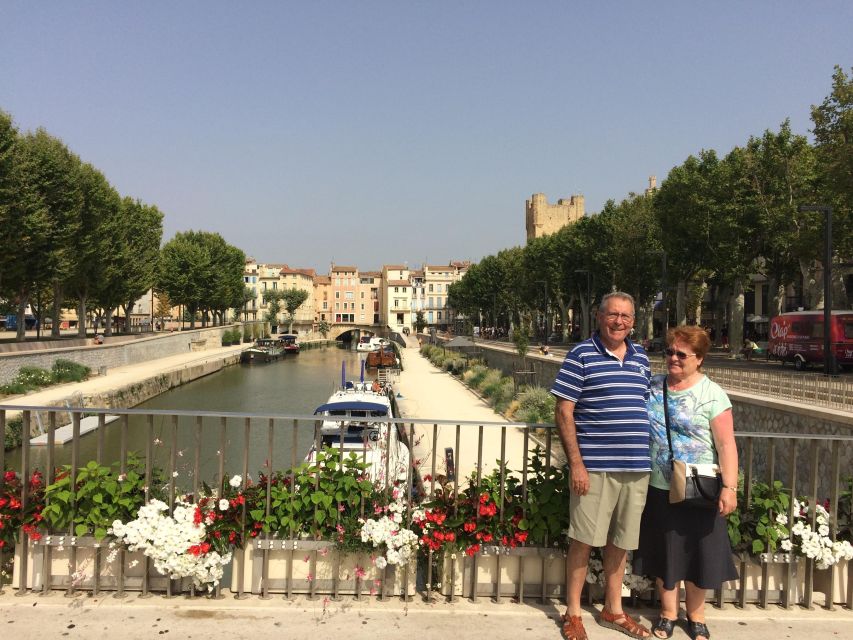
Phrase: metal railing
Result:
[443,454]
[834,392]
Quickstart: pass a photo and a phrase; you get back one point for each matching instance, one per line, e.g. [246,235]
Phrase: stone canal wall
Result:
[113,353]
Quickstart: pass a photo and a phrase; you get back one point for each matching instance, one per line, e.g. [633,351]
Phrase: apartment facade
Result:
[397,303]
[344,286]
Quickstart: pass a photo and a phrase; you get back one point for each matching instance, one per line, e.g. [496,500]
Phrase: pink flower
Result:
[360,572]
[309,577]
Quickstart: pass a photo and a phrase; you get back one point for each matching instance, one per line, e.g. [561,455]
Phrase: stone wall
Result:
[113,353]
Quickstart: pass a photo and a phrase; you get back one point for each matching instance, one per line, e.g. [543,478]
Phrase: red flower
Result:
[450,536]
[469,526]
[470,551]
[521,536]
[9,476]
[484,498]
[197,517]
[488,537]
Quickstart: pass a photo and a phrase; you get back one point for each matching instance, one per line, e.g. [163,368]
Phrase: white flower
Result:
[782,518]
[236,481]
[786,544]
[174,474]
[224,504]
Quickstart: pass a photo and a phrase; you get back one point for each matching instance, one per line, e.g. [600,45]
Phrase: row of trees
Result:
[67,238]
[713,222]
[66,235]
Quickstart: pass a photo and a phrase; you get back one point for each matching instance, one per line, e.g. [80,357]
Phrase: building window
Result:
[439,316]
[325,305]
[337,295]
[337,306]
[430,317]
[430,288]
[349,295]
[396,303]
[430,302]
[362,295]
[396,289]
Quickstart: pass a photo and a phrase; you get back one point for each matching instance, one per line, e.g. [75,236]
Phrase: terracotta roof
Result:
[322,280]
[310,273]
[371,274]
[398,267]
[418,274]
[397,283]
[337,269]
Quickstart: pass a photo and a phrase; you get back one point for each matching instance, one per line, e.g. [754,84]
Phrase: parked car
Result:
[798,337]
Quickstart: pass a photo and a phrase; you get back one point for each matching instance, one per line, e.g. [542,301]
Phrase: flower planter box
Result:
[840,581]
[751,570]
[316,567]
[59,549]
[505,572]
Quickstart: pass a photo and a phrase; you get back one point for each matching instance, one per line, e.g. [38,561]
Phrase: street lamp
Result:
[588,315]
[829,367]
[547,324]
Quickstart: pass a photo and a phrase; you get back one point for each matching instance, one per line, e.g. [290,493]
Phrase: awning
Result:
[353,405]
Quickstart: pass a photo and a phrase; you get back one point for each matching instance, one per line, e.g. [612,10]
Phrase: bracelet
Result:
[730,488]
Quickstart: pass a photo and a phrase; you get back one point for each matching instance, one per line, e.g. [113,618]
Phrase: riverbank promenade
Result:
[425,392]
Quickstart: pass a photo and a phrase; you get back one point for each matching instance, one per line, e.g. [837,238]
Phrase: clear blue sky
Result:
[383,132]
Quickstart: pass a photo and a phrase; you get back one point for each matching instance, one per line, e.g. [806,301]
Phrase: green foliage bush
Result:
[490,383]
[34,377]
[474,375]
[504,394]
[14,432]
[536,405]
[69,371]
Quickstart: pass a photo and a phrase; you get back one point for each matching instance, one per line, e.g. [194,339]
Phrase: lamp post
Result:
[829,367]
[588,314]
[547,324]
[664,308]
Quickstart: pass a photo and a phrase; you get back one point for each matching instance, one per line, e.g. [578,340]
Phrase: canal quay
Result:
[422,392]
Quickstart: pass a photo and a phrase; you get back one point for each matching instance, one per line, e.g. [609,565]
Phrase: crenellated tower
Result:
[543,219]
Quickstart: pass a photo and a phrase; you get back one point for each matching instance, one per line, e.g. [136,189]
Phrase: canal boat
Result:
[383,357]
[355,419]
[370,343]
[289,343]
[264,350]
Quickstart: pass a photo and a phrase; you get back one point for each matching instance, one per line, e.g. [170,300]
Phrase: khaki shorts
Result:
[611,510]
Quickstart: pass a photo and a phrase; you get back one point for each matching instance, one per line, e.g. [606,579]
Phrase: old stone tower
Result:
[544,219]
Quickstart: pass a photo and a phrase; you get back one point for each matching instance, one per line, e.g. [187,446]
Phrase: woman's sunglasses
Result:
[678,354]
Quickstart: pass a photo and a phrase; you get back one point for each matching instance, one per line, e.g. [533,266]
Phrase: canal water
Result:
[293,386]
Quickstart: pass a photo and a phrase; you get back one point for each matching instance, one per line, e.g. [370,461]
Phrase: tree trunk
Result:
[57,309]
[108,321]
[720,316]
[775,297]
[736,323]
[21,333]
[812,293]
[81,315]
[681,303]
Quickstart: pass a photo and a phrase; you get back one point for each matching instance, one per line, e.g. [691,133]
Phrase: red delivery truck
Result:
[798,337]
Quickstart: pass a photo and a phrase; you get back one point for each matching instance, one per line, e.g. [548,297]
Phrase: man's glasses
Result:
[613,317]
[678,354]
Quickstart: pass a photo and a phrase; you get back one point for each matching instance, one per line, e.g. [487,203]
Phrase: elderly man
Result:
[601,391]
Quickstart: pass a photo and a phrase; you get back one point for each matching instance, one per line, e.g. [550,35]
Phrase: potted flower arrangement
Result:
[325,523]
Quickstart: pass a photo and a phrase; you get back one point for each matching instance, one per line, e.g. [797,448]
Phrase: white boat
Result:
[355,419]
[370,343]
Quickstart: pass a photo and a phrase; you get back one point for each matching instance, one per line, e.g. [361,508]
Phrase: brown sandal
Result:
[624,623]
[573,628]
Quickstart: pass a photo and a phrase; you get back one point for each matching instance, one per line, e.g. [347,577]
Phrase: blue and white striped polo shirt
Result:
[610,414]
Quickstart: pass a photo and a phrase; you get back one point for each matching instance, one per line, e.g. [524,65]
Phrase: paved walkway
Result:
[34,617]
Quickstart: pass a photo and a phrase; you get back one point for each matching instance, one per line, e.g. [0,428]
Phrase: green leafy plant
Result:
[14,515]
[547,506]
[758,529]
[69,371]
[536,405]
[99,496]
[323,500]
[14,433]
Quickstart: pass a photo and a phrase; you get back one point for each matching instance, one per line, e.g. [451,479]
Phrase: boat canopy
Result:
[353,405]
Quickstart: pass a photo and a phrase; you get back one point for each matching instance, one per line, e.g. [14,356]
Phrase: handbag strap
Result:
[666,420]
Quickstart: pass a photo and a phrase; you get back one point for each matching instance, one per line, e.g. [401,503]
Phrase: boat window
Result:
[848,330]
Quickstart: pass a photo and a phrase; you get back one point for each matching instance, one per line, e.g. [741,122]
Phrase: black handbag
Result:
[691,485]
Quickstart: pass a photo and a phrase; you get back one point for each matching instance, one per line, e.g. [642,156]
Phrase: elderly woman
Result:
[678,542]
